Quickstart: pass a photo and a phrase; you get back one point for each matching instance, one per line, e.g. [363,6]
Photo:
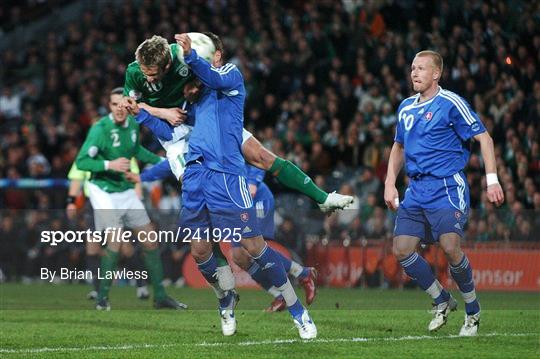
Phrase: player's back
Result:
[217,134]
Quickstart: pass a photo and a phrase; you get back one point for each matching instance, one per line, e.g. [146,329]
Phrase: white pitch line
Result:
[250,343]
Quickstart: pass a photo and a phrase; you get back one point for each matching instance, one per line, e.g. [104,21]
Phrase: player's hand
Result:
[495,194]
[133,177]
[391,197]
[252,190]
[130,105]
[120,164]
[71,211]
[185,42]
[175,116]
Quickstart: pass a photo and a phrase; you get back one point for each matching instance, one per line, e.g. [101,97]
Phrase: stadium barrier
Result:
[509,266]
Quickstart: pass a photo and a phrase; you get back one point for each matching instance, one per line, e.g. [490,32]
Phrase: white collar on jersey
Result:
[418,104]
[125,125]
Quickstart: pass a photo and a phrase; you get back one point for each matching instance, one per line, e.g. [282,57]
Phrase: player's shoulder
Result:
[451,99]
[101,124]
[227,68]
[408,101]
[134,69]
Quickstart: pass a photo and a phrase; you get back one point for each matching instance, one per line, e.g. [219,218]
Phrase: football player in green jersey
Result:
[77,181]
[157,79]
[105,153]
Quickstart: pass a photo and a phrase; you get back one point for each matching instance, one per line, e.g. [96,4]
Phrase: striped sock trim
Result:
[461,266]
[262,252]
[409,260]
[469,297]
[206,261]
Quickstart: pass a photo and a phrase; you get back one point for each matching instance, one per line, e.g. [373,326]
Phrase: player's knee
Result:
[451,245]
[200,251]
[241,258]
[402,249]
[254,246]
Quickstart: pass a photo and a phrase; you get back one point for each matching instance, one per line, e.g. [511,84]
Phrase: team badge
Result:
[458,215]
[244,217]
[429,115]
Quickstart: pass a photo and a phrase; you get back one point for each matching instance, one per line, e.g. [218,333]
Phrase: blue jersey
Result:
[219,115]
[435,134]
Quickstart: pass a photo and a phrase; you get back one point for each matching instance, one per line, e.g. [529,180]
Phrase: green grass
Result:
[387,323]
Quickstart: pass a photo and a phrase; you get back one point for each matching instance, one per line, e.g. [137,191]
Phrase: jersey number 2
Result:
[116,139]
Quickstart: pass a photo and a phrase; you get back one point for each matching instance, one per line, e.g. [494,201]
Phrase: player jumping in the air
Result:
[432,136]
[215,193]
[157,79]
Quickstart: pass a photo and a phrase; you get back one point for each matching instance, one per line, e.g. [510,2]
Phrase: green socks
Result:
[108,264]
[291,176]
[152,261]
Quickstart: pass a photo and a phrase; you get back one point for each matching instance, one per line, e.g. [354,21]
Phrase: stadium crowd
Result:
[324,80]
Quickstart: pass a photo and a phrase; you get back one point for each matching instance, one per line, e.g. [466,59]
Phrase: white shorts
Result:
[118,209]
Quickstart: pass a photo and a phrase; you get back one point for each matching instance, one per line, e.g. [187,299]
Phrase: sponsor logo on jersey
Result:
[475,127]
[246,229]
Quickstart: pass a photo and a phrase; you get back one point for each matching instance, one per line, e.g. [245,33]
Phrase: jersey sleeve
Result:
[157,172]
[89,157]
[131,88]
[162,129]
[226,77]
[254,175]
[143,155]
[399,130]
[465,121]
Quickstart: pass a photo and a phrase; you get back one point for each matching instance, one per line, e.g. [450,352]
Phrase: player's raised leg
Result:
[291,176]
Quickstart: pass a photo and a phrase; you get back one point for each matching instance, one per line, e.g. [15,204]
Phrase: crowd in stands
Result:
[324,80]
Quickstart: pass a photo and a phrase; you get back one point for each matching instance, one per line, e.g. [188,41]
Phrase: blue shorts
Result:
[264,209]
[216,202]
[432,207]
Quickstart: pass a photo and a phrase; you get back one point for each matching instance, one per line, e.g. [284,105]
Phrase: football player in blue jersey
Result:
[432,140]
[215,194]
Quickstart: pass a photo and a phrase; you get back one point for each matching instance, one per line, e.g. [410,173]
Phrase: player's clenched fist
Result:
[185,42]
[495,194]
[120,165]
[391,197]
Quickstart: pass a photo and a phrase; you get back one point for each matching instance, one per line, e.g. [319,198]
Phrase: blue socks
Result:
[208,269]
[462,274]
[417,268]
[271,266]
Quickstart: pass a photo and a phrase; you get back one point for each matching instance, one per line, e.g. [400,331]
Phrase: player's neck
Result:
[428,94]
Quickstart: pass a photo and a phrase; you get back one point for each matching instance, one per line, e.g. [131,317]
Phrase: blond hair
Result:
[435,56]
[153,52]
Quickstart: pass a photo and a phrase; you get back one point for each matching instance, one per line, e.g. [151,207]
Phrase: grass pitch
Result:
[57,321]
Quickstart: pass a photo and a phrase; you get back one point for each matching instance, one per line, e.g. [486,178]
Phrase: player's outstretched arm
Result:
[222,78]
[395,162]
[495,193]
[175,116]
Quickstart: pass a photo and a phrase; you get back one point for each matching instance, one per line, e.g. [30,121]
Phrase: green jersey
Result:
[167,93]
[107,141]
